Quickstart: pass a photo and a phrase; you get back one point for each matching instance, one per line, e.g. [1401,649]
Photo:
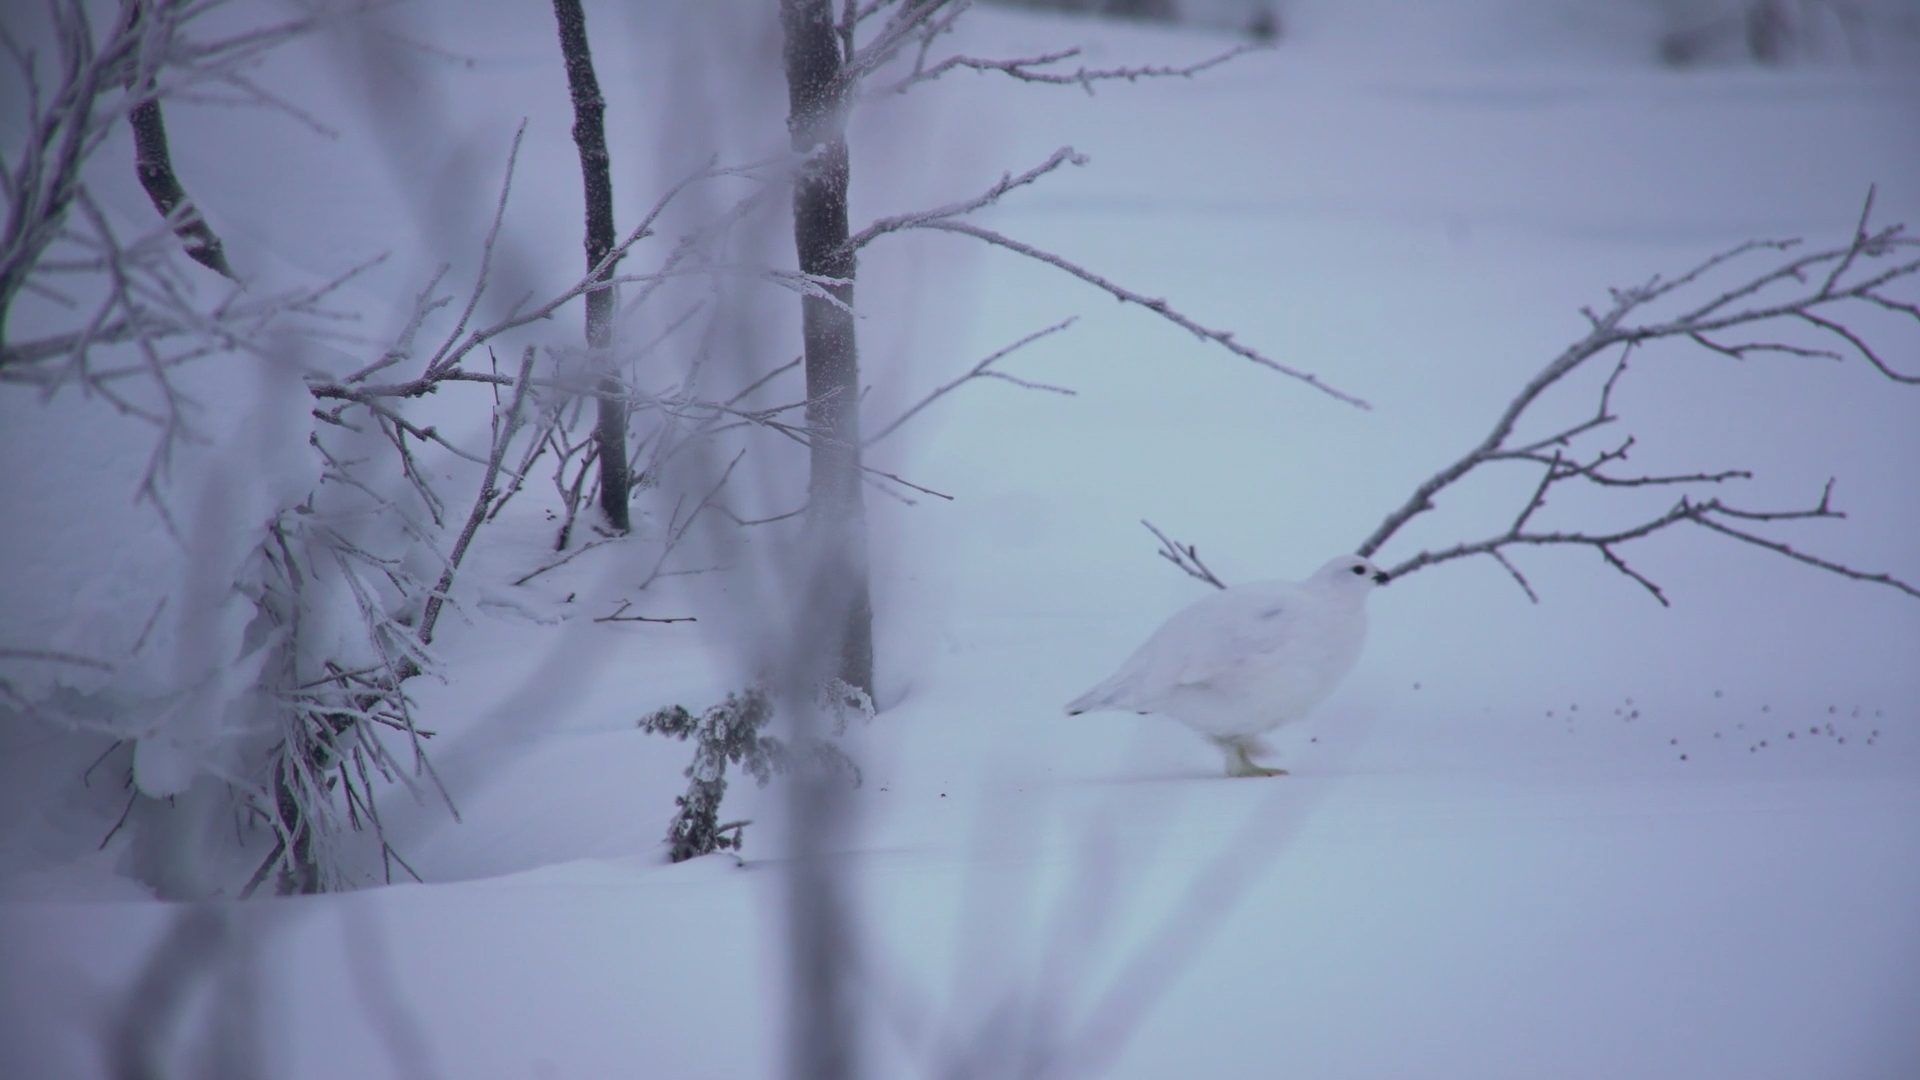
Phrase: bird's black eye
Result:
[1359,569]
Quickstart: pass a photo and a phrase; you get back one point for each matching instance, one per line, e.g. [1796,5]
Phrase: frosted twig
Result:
[567,558]
[1816,305]
[424,304]
[1066,155]
[917,19]
[1159,307]
[905,483]
[746,522]
[620,615]
[508,429]
[1035,69]
[764,380]
[981,370]
[440,355]
[1184,556]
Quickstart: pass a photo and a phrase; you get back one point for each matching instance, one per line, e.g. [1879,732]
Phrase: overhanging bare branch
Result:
[1744,319]
[981,370]
[1223,338]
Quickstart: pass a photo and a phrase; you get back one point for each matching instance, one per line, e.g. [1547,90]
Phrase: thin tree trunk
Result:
[590,135]
[836,511]
[825,1010]
[154,164]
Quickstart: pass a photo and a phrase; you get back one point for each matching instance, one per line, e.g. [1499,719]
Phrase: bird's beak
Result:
[1380,577]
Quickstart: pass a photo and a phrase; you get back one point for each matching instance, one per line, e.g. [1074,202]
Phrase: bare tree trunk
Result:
[590,135]
[836,511]
[837,614]
[155,166]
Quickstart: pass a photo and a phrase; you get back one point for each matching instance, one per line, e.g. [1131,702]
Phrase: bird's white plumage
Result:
[1248,659]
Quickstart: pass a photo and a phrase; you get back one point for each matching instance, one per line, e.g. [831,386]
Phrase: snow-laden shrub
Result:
[731,733]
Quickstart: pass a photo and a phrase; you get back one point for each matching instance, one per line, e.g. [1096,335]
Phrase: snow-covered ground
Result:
[1593,837]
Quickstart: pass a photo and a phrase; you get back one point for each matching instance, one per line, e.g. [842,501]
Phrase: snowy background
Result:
[1593,837]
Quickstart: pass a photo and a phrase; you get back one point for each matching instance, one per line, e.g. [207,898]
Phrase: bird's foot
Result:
[1239,764]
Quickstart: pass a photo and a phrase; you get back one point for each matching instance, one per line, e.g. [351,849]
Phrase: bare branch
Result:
[569,557]
[1031,69]
[424,304]
[1613,560]
[371,397]
[446,361]
[1517,575]
[1806,303]
[1859,345]
[1811,560]
[1739,352]
[905,483]
[1658,288]
[621,615]
[924,19]
[1184,556]
[1128,296]
[1705,514]
[765,379]
[55,657]
[441,355]
[981,370]
[481,502]
[1066,155]
[747,522]
[1539,497]
[1859,241]
[154,164]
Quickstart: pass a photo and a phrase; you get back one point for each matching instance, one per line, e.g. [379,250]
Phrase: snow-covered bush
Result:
[730,733]
[727,733]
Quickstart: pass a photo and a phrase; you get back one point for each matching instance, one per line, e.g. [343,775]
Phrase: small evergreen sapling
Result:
[730,732]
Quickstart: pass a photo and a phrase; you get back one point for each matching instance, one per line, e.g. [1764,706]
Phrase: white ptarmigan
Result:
[1247,659]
